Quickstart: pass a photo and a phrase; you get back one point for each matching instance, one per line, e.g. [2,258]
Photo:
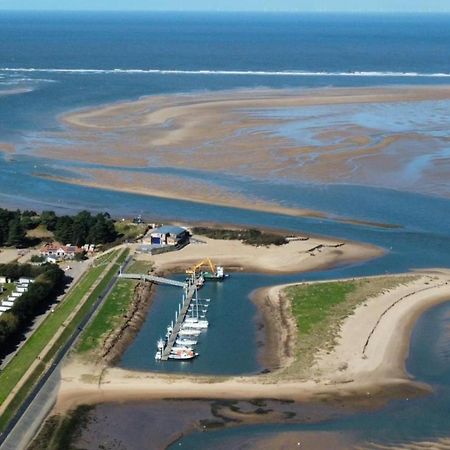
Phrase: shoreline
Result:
[379,371]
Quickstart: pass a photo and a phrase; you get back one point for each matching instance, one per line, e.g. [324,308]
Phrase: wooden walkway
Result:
[189,293]
[153,279]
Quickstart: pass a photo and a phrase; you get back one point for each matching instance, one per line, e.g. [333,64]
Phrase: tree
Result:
[16,233]
[49,219]
[63,229]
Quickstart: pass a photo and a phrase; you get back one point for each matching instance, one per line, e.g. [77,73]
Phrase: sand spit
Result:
[177,188]
[368,360]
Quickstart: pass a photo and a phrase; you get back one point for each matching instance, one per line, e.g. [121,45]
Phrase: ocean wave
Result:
[266,73]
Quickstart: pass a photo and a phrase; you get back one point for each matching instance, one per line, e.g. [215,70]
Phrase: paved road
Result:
[39,403]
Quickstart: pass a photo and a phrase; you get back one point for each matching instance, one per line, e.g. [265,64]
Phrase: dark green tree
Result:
[49,219]
[16,233]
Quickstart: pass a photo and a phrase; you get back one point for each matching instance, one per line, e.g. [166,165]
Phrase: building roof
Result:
[169,229]
[56,246]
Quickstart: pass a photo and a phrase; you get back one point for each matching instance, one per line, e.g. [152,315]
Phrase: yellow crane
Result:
[204,263]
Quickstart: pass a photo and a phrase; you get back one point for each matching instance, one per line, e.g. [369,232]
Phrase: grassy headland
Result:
[319,310]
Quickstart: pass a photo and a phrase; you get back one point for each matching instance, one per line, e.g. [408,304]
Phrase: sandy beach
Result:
[261,134]
[367,361]
[309,253]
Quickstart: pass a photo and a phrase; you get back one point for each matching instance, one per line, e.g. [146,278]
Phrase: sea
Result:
[51,63]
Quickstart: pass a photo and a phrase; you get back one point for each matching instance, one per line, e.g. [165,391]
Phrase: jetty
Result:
[153,279]
[187,299]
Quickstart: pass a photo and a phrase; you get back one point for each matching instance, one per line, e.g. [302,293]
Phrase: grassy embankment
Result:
[113,310]
[319,310]
[18,366]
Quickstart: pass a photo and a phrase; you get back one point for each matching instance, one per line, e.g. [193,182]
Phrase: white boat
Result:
[185,341]
[160,345]
[199,282]
[196,323]
[181,348]
[183,355]
[189,332]
[194,319]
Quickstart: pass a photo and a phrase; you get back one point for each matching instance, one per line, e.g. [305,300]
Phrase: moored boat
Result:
[183,355]
[186,341]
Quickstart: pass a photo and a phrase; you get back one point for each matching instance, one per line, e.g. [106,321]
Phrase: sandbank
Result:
[368,360]
[7,148]
[192,191]
[238,133]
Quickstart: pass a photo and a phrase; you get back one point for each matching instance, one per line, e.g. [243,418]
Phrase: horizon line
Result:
[270,11]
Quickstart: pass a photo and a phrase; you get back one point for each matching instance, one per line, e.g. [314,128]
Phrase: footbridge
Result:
[153,279]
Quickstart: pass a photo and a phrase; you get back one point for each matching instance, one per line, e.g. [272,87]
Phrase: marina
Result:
[190,322]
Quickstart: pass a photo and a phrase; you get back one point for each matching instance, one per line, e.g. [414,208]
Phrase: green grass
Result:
[109,316]
[140,267]
[312,304]
[319,310]
[15,370]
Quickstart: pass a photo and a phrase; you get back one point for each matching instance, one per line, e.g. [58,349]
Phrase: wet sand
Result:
[238,133]
[7,148]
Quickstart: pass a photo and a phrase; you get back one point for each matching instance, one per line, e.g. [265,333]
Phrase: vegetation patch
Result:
[320,308]
[249,236]
[128,230]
